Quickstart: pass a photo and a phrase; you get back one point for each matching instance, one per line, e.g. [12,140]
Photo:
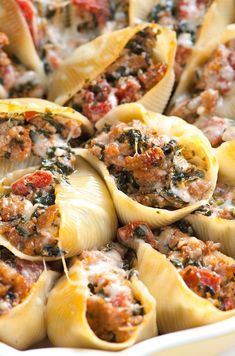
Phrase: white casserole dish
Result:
[210,340]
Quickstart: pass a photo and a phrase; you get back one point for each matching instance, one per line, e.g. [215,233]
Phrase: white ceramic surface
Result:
[211,340]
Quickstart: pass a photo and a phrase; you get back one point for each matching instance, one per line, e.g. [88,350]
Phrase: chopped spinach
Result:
[190,262]
[52,251]
[124,179]
[46,200]
[168,7]
[208,289]
[50,12]
[21,230]
[137,309]
[11,295]
[134,138]
[107,128]
[200,174]
[102,151]
[7,155]
[170,147]
[140,231]
[91,287]
[33,135]
[177,263]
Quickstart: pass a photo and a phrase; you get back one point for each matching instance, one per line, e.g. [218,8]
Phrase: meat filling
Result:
[202,268]
[133,73]
[59,27]
[15,79]
[217,129]
[17,277]
[213,81]
[29,216]
[113,313]
[47,136]
[222,203]
[150,168]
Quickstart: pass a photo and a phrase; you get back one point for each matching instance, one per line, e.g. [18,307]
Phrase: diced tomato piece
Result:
[229,303]
[28,11]
[96,111]
[128,90]
[183,10]
[193,276]
[38,179]
[100,8]
[29,115]
[210,279]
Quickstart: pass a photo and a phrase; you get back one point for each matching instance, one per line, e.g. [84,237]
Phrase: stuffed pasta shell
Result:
[58,27]
[34,130]
[25,286]
[100,304]
[14,25]
[133,64]
[45,214]
[17,79]
[191,280]
[158,169]
[216,219]
[195,22]
[207,86]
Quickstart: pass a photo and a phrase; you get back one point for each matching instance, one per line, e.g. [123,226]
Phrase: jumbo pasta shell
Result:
[66,314]
[12,22]
[189,136]
[178,307]
[201,55]
[87,215]
[14,108]
[24,325]
[91,59]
